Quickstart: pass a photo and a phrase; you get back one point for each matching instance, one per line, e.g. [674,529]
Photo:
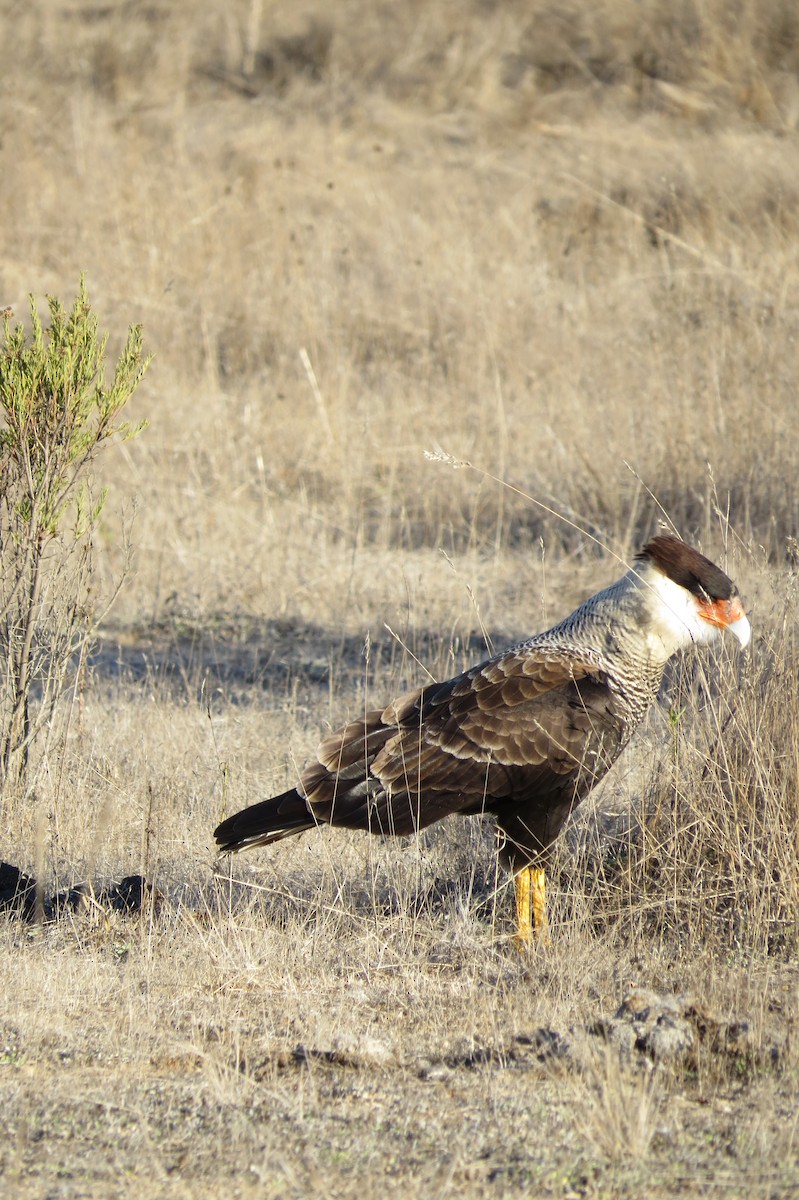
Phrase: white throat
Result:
[674,621]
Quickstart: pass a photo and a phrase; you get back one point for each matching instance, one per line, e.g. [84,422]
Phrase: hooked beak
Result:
[741,629]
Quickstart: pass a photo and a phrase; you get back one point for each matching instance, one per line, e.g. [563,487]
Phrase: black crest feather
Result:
[688,568]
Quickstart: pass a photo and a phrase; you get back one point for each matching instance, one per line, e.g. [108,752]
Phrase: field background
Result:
[560,242]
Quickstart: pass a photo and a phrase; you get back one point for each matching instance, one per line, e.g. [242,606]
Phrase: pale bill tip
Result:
[741,629]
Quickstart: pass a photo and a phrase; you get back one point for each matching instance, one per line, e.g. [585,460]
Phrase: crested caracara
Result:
[524,735]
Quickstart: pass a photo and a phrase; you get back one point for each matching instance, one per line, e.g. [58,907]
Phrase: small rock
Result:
[667,1038]
[435,1072]
[362,1051]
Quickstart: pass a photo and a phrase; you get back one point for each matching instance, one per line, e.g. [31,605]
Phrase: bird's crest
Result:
[688,568]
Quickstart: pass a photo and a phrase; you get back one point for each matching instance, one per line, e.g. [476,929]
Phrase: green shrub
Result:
[56,411]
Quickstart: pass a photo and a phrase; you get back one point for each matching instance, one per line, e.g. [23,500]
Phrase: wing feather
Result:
[524,735]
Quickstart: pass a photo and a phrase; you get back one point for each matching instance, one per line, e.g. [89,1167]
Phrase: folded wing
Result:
[523,736]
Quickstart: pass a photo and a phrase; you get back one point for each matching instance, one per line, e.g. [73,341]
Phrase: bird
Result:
[524,735]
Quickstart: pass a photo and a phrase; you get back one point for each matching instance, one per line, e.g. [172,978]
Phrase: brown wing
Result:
[523,735]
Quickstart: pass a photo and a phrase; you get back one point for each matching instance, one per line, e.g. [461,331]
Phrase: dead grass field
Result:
[561,242]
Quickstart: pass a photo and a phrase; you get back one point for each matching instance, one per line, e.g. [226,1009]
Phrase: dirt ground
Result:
[177,1059]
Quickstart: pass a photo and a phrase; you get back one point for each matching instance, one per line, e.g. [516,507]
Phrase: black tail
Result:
[266,822]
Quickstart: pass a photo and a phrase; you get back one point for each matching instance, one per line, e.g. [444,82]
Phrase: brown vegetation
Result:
[560,243]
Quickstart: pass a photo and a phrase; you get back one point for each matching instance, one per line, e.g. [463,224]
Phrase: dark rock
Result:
[17,892]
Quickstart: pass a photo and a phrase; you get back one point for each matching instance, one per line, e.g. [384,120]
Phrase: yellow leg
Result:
[539,890]
[524,913]
[531,906]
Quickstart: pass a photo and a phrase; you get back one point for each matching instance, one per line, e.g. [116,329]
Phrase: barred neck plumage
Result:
[644,616]
[630,630]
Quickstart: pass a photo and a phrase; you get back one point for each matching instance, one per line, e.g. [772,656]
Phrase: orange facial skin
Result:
[721,613]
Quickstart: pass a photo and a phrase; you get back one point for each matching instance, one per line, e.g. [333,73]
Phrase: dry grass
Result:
[559,242]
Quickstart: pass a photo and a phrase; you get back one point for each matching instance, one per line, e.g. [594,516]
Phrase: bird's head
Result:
[689,598]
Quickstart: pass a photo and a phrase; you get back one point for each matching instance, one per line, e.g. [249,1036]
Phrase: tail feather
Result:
[263,823]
